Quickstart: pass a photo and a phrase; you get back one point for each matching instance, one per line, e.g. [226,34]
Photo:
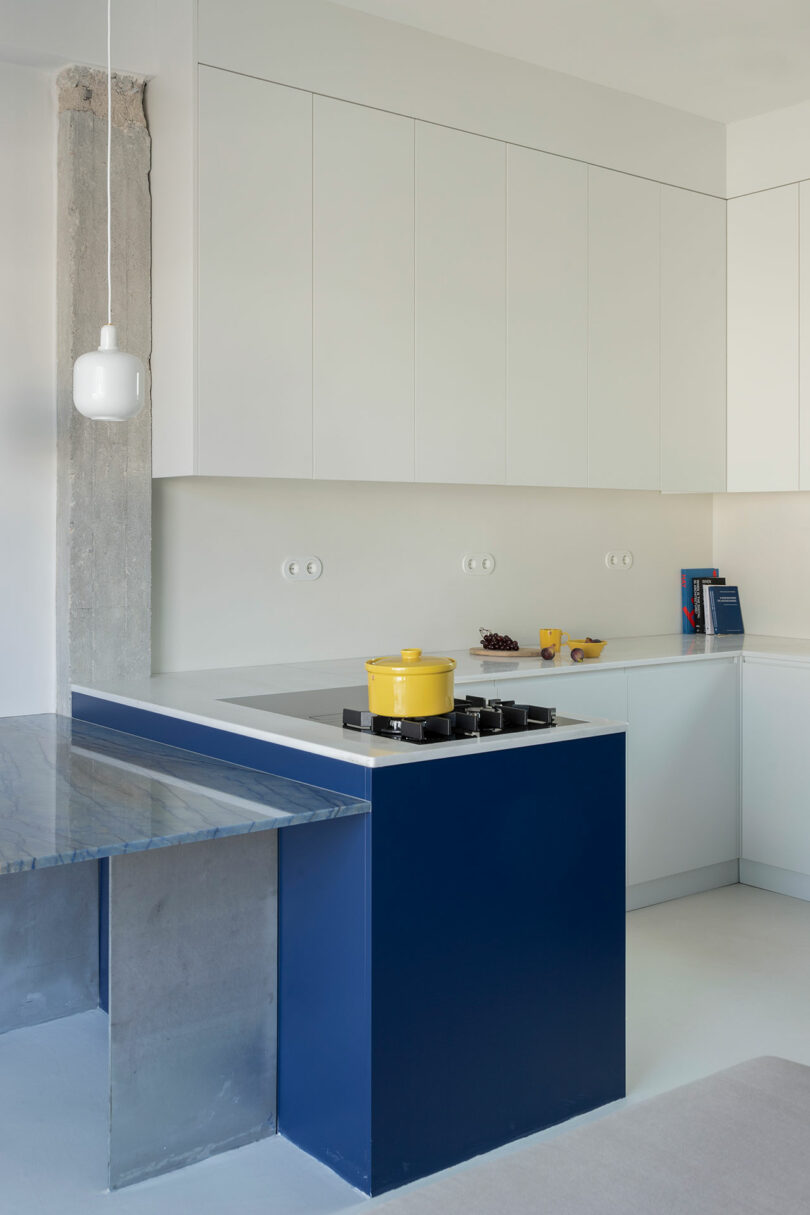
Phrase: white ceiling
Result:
[724,59]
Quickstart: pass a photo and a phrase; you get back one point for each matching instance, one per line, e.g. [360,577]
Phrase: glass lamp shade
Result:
[108,383]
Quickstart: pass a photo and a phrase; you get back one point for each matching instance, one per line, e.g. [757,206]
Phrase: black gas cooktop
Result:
[473,717]
[347,709]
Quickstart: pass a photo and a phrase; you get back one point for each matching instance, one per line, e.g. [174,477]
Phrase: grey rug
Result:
[736,1143]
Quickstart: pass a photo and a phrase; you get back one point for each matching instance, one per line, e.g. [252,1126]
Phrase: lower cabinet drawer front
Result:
[776,765]
[682,755]
[580,694]
[683,768]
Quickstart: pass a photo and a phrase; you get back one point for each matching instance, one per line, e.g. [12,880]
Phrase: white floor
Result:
[713,979]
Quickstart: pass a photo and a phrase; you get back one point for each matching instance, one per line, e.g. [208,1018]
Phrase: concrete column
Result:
[104,468]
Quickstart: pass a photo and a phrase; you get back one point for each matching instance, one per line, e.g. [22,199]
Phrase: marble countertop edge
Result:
[71,791]
[92,853]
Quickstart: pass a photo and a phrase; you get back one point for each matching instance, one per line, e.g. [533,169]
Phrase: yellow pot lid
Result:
[411,662]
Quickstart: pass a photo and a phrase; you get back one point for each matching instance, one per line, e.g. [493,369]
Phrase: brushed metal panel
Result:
[192,1003]
[48,944]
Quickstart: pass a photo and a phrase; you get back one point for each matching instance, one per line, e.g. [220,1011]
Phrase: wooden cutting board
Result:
[523,652]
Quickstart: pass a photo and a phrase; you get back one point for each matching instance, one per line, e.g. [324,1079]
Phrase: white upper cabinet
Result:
[254,341]
[763,340]
[804,336]
[693,342]
[363,293]
[623,331]
[547,319]
[460,307]
[382,298]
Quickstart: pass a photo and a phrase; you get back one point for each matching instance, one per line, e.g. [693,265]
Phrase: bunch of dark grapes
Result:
[496,641]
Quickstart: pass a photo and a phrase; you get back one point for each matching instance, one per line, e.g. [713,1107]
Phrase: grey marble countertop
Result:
[70,791]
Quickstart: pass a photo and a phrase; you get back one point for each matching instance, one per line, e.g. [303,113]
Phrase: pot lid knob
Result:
[411,655]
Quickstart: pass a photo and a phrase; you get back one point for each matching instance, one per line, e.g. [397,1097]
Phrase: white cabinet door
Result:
[487,690]
[546,319]
[363,330]
[804,335]
[254,344]
[693,342]
[763,337]
[776,765]
[578,694]
[460,307]
[683,761]
[623,331]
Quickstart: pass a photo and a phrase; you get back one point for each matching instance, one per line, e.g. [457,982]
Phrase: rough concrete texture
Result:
[104,468]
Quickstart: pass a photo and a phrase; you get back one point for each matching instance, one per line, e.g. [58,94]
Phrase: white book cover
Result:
[707,610]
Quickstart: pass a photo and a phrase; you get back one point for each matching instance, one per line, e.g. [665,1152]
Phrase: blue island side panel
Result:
[466,941]
[291,762]
[324,993]
[497,950]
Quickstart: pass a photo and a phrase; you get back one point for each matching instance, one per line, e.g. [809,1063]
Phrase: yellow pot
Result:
[410,684]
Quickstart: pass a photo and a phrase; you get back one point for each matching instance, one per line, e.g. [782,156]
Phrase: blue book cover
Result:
[724,602]
[687,597]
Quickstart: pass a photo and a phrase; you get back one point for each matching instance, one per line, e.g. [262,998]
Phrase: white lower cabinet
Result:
[584,694]
[682,768]
[776,768]
[682,765]
[487,690]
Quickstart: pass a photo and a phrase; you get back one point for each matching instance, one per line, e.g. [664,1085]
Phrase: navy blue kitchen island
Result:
[451,966]
[447,989]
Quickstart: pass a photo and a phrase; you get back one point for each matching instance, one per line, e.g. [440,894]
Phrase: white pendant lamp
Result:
[108,383]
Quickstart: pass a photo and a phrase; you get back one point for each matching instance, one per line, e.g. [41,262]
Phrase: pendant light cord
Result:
[109,155]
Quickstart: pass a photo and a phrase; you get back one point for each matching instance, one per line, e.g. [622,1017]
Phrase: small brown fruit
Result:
[577,654]
[547,653]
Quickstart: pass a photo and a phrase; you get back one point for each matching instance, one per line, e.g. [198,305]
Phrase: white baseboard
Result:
[769,877]
[676,886]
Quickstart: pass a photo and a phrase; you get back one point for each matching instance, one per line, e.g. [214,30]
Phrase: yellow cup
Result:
[552,638]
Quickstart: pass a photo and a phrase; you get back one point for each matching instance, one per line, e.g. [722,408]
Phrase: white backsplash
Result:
[392,556]
[761,543]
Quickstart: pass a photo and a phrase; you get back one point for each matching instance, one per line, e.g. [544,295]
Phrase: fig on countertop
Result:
[577,654]
[547,653]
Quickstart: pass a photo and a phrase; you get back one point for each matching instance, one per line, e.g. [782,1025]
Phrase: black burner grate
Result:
[473,717]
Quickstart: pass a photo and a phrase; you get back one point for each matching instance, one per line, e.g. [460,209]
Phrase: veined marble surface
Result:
[70,791]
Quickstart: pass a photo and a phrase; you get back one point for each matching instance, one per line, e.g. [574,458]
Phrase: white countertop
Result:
[200,696]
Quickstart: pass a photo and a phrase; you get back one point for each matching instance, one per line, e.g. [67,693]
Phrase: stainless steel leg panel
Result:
[192,1003]
[48,944]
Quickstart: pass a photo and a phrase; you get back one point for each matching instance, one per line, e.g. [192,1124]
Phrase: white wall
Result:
[27,391]
[768,150]
[51,33]
[762,542]
[392,566]
[326,48]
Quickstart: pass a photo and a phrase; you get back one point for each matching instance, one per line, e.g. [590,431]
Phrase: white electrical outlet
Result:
[478,564]
[302,569]
[619,559]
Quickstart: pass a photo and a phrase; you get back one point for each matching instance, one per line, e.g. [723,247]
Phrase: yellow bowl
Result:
[591,649]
